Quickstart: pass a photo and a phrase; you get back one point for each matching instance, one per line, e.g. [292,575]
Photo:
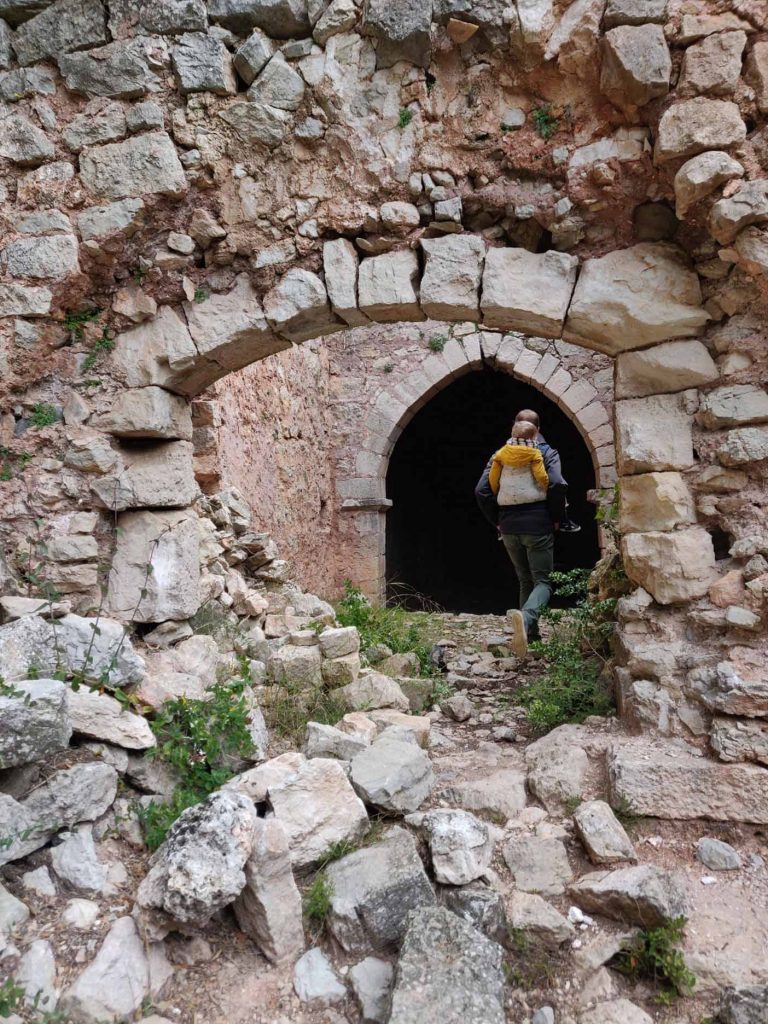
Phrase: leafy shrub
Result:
[437,343]
[43,415]
[544,121]
[573,685]
[405,118]
[103,344]
[653,955]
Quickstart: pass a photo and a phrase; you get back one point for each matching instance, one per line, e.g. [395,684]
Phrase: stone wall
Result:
[593,172]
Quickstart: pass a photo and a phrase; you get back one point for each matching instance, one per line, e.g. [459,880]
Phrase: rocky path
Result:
[469,812]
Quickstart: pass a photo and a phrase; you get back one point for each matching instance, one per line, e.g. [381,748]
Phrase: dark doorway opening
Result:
[439,546]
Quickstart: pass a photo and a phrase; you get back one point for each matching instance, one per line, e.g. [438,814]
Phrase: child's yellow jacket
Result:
[517,456]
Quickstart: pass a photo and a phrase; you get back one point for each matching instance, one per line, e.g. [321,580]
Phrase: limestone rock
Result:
[47,258]
[315,980]
[168,539]
[231,328]
[655,501]
[388,286]
[327,741]
[393,774]
[538,864]
[280,19]
[373,891]
[372,690]
[480,905]
[501,792]
[717,855]
[634,12]
[23,142]
[452,274]
[693,126]
[339,16]
[460,845]
[458,707]
[729,216]
[574,38]
[65,26]
[611,313]
[338,672]
[100,123]
[36,974]
[447,971]
[653,434]
[269,907]
[200,867]
[732,406]
[636,65]
[750,444]
[257,782]
[337,642]
[18,300]
[149,412]
[722,689]
[701,175]
[557,768]
[647,896]
[528,292]
[257,122]
[713,65]
[671,366]
[123,217]
[340,263]
[752,249]
[202,64]
[533,916]
[756,73]
[75,861]
[119,979]
[736,739]
[254,53]
[297,307]
[601,833]
[317,807]
[299,667]
[146,164]
[103,718]
[400,29]
[119,70]
[161,475]
[371,982]
[616,1011]
[416,726]
[663,783]
[169,17]
[744,1005]
[278,85]
[33,721]
[672,567]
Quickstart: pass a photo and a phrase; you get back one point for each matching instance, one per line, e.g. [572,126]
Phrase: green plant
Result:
[654,955]
[624,812]
[103,344]
[572,803]
[201,294]
[573,685]
[11,997]
[441,690]
[317,898]
[74,323]
[337,850]
[531,964]
[544,121]
[43,415]
[389,367]
[607,514]
[437,342]
[405,117]
[288,709]
[196,737]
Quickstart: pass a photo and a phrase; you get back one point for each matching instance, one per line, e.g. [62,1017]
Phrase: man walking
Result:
[526,518]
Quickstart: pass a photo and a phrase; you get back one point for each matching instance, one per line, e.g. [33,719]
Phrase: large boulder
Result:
[200,868]
[447,971]
[693,126]
[672,567]
[611,313]
[318,808]
[394,773]
[647,896]
[636,65]
[660,782]
[269,907]
[528,292]
[373,890]
[33,721]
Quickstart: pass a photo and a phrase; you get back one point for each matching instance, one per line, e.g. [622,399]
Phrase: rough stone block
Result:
[750,444]
[147,412]
[713,65]
[655,501]
[34,721]
[297,307]
[388,287]
[65,26]
[748,205]
[278,85]
[701,175]
[733,406]
[451,282]
[118,70]
[611,313]
[251,57]
[145,164]
[527,292]
[17,300]
[157,475]
[693,126]
[672,567]
[44,258]
[340,263]
[636,65]
[671,366]
[202,64]
[280,19]
[23,142]
[653,433]
[156,351]
[401,29]
[634,12]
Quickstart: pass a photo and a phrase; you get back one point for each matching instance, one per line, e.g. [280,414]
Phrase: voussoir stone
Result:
[447,971]
[670,366]
[200,867]
[340,263]
[701,175]
[34,721]
[452,275]
[646,895]
[693,126]
[373,890]
[612,313]
[528,292]
[65,26]
[388,287]
[317,807]
[636,65]
[668,783]
[144,164]
[298,308]
[672,567]
[231,328]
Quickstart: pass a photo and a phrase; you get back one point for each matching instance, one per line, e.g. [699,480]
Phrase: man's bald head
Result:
[528,416]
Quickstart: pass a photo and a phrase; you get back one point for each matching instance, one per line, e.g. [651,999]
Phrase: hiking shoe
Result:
[569,527]
[519,638]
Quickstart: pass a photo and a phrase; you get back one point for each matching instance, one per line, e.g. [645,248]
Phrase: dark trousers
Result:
[532,557]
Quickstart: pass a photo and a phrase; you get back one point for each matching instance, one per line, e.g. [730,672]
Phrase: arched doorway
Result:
[438,545]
